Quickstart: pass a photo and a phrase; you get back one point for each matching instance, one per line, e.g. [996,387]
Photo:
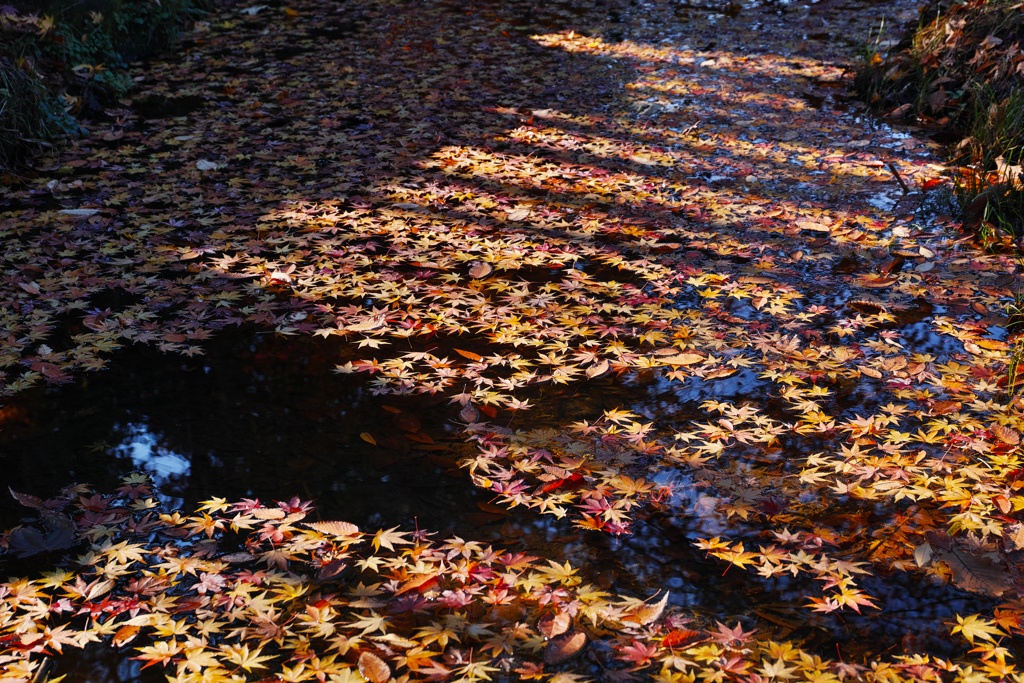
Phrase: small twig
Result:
[892,167]
[692,127]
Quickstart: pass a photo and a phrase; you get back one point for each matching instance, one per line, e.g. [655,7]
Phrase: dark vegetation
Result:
[961,67]
[62,60]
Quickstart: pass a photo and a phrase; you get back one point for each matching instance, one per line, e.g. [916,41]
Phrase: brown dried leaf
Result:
[564,647]
[682,359]
[944,407]
[27,499]
[645,161]
[237,557]
[333,528]
[923,554]
[876,282]
[869,371]
[1005,434]
[598,369]
[551,625]
[813,225]
[419,437]
[480,269]
[125,635]
[331,569]
[373,668]
[894,363]
[1013,537]
[976,574]
[408,423]
[647,612]
[416,582]
[367,325]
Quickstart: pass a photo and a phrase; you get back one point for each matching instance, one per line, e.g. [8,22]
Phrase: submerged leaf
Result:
[974,573]
[27,540]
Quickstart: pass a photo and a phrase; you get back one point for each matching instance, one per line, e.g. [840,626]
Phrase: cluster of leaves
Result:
[943,439]
[690,228]
[238,591]
[446,241]
[59,61]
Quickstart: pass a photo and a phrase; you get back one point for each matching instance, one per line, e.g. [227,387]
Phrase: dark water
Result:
[262,416]
[265,417]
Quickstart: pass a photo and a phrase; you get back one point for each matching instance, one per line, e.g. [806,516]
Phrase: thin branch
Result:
[892,167]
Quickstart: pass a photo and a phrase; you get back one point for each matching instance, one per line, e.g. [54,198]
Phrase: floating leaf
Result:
[877,282]
[683,638]
[1013,537]
[598,369]
[334,528]
[420,437]
[480,269]
[408,422]
[681,359]
[1003,503]
[813,225]
[417,582]
[26,499]
[331,569]
[923,554]
[369,325]
[236,558]
[373,668]
[554,624]
[1005,434]
[125,635]
[27,540]
[647,613]
[564,647]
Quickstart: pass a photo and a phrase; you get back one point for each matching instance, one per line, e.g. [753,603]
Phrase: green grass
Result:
[990,158]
